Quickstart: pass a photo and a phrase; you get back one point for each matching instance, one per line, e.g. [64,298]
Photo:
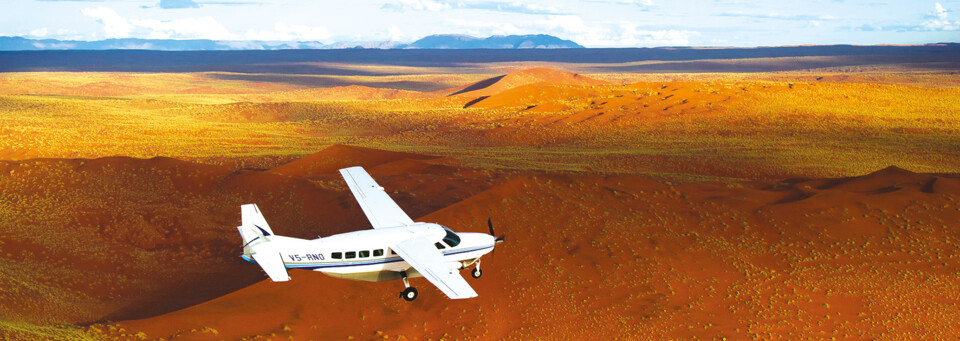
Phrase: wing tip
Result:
[347,169]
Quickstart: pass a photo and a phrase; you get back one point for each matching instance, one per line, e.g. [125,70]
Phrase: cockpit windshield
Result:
[451,238]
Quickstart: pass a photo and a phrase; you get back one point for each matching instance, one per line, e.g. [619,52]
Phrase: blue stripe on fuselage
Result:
[361,263]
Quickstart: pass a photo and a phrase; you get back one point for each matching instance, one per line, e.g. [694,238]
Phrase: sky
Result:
[592,23]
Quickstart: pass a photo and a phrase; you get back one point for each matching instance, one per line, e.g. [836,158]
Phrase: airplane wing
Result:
[272,264]
[376,204]
[429,262]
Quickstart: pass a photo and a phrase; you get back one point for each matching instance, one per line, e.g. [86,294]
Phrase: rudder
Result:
[253,225]
[250,216]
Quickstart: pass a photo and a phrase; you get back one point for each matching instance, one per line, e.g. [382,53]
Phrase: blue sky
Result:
[592,23]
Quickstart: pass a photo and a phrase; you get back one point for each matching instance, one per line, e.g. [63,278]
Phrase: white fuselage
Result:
[366,254]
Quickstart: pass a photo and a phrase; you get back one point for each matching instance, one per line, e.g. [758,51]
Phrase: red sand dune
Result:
[593,257]
[514,79]
[119,238]
[586,256]
[332,158]
[640,103]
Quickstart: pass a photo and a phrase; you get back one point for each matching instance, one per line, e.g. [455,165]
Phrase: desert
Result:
[736,194]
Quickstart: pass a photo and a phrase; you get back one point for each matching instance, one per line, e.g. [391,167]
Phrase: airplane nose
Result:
[483,240]
[489,240]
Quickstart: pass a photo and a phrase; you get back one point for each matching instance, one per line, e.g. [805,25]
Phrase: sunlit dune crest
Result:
[332,158]
[514,79]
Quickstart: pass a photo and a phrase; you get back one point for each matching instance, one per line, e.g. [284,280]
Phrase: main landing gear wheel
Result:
[409,294]
[476,273]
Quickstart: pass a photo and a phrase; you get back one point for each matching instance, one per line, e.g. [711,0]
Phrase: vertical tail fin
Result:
[251,217]
[256,244]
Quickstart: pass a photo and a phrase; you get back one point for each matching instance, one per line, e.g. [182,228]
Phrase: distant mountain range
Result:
[445,41]
[537,41]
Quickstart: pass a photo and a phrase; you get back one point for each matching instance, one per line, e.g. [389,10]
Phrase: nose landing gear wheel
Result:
[476,273]
[409,294]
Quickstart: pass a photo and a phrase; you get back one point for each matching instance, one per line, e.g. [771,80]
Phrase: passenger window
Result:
[364,253]
[439,246]
[336,255]
[392,252]
[351,255]
[378,252]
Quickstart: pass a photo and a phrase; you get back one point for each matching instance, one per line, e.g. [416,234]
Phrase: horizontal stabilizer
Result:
[272,264]
[248,235]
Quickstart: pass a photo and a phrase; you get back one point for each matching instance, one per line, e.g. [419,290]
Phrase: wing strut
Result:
[429,262]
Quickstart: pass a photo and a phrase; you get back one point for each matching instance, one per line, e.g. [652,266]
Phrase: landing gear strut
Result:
[410,293]
[476,273]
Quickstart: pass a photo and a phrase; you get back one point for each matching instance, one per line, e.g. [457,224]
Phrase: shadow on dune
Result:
[329,82]
[480,85]
[188,292]
[304,61]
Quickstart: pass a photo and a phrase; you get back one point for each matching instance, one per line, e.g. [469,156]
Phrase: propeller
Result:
[499,239]
[490,225]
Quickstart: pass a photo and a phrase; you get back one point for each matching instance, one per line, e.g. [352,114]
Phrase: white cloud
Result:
[574,28]
[623,34]
[284,32]
[484,28]
[941,22]
[776,15]
[517,6]
[637,2]
[487,5]
[416,5]
[114,26]
[813,23]
[565,23]
[396,34]
[185,28]
[66,34]
[633,35]
[40,32]
[941,12]
[642,3]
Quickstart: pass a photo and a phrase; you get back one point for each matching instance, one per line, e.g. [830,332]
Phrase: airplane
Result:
[396,247]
